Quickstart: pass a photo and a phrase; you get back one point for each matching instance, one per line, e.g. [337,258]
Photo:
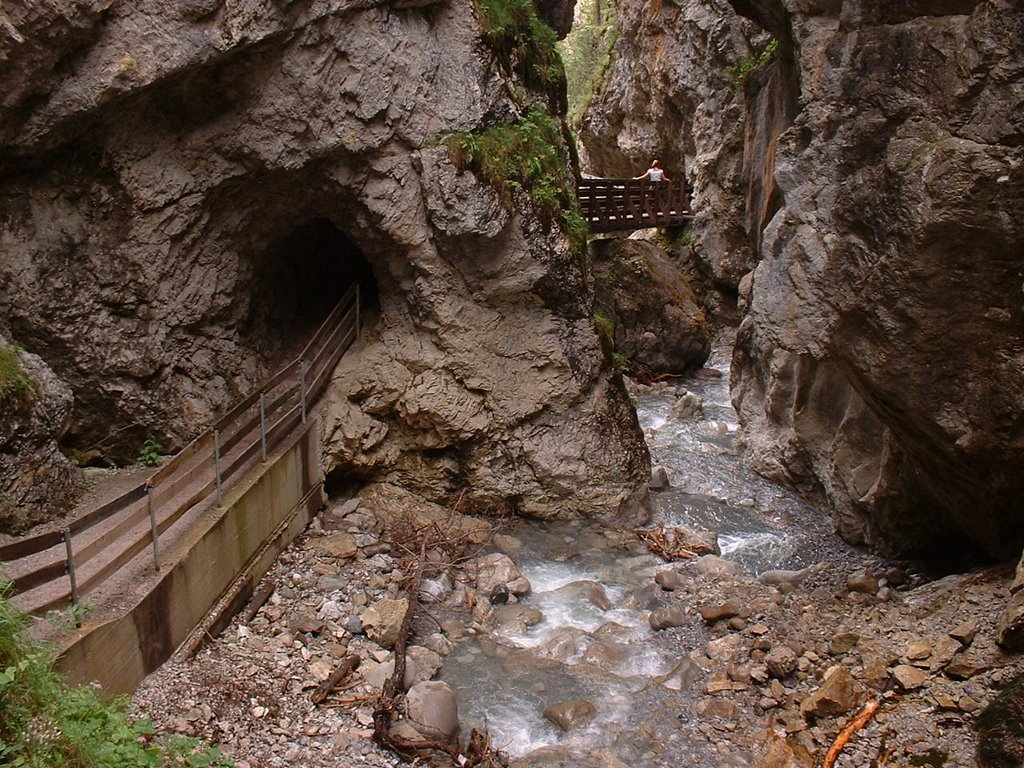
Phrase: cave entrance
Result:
[299,281]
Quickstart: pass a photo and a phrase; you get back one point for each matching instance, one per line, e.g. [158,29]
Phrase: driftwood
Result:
[259,599]
[478,753]
[659,542]
[345,668]
[857,722]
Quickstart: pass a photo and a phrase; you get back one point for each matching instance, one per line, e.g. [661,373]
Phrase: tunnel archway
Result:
[298,281]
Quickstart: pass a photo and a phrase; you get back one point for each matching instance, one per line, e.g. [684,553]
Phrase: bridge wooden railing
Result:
[613,205]
[94,546]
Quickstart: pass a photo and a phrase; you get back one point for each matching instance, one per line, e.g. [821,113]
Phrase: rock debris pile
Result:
[769,669]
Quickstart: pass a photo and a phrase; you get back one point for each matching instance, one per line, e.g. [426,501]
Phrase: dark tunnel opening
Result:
[301,278]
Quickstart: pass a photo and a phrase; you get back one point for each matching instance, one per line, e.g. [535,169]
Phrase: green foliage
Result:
[588,54]
[15,385]
[523,43]
[44,723]
[525,156]
[740,71]
[605,326]
[150,454]
[71,617]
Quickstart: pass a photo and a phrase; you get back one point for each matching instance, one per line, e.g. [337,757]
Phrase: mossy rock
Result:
[1000,728]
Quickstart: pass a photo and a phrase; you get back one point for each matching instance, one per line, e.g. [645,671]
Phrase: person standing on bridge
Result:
[654,173]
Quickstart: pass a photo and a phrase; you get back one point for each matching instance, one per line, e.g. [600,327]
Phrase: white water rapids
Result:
[594,639]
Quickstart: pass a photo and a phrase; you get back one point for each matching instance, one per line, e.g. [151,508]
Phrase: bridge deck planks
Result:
[621,205]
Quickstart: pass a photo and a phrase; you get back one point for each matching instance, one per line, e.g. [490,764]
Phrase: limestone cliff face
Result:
[656,323]
[874,170]
[882,356]
[670,95]
[188,186]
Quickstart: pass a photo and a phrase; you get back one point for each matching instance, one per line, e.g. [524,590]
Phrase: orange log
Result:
[856,723]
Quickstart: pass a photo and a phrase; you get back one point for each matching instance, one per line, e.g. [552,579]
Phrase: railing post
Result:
[71,570]
[216,460]
[358,318]
[302,387]
[263,423]
[152,526]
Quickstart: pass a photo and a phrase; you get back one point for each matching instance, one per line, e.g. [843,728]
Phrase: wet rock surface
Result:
[853,380]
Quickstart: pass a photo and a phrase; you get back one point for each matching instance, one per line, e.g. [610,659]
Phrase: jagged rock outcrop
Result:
[188,187]
[881,361]
[36,479]
[670,95]
[656,322]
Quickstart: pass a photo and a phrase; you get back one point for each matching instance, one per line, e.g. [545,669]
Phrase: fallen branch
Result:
[659,542]
[857,722]
[259,599]
[343,670]
[413,547]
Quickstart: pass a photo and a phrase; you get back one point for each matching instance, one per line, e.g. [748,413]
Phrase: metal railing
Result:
[611,205]
[94,546]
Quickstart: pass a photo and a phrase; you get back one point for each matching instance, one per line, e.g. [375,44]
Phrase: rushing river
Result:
[593,642]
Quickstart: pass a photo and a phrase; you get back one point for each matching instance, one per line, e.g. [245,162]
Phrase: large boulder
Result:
[433,711]
[657,323]
[37,481]
[383,620]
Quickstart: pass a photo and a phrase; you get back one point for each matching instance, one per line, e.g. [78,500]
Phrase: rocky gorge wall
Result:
[873,169]
[882,354]
[669,95]
[186,188]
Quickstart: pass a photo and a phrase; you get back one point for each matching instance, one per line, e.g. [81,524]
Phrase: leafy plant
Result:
[45,723]
[70,617]
[15,384]
[740,71]
[523,43]
[150,454]
[526,157]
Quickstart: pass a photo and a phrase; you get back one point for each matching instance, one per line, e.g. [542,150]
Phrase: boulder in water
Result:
[568,715]
[659,479]
[433,711]
[688,406]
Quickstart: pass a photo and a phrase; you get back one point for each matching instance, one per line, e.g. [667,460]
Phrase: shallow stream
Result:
[594,594]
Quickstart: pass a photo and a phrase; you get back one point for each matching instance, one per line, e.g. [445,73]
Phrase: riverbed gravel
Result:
[775,679]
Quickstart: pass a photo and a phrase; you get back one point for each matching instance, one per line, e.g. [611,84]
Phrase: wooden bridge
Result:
[621,205]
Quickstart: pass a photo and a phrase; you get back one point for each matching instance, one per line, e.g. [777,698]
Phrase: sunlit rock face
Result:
[188,187]
[881,361]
